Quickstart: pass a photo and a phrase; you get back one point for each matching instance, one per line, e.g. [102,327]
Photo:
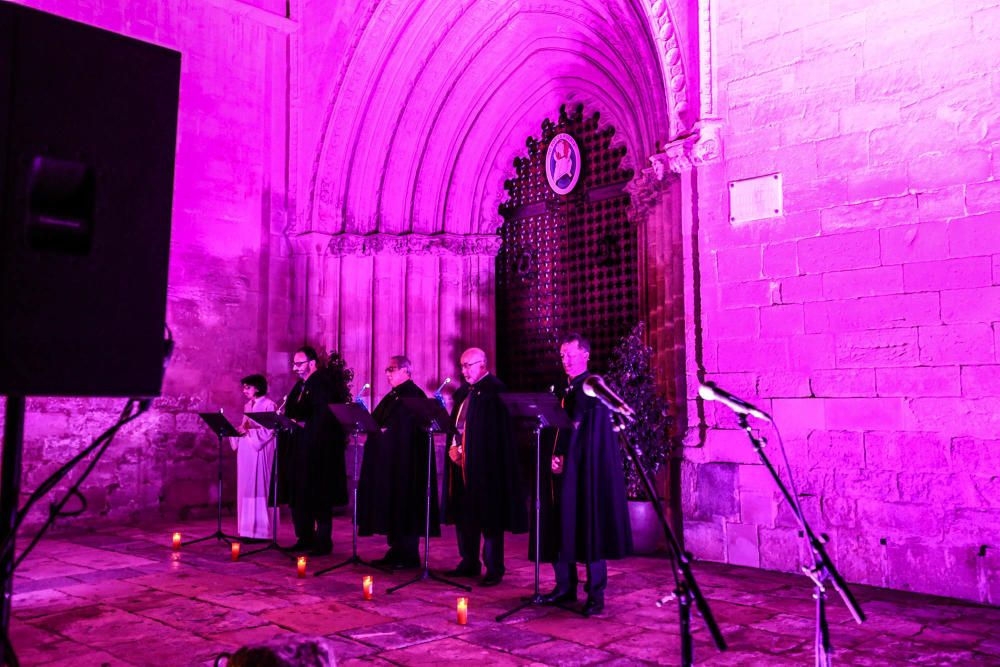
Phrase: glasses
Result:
[470,365]
[391,369]
[296,364]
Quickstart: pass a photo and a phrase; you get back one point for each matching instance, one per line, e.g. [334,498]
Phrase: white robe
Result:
[254,459]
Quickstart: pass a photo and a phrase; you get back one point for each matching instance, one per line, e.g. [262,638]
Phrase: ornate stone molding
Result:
[645,191]
[671,58]
[701,147]
[413,244]
[706,52]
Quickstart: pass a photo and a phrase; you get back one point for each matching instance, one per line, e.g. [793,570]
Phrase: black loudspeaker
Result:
[88,123]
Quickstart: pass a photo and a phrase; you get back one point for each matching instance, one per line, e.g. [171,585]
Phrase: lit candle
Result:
[302,567]
[367,586]
[463,610]
[177,541]
[236,550]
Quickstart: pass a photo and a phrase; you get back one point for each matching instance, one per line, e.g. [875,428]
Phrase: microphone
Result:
[595,387]
[360,398]
[438,395]
[710,392]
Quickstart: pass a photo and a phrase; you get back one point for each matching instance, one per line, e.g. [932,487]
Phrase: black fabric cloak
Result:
[317,476]
[590,493]
[392,486]
[491,487]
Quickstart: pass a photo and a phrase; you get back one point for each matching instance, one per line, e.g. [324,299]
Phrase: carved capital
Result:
[645,191]
[701,147]
[672,61]
[414,244]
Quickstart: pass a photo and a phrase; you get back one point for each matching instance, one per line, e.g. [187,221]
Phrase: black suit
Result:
[483,495]
[591,504]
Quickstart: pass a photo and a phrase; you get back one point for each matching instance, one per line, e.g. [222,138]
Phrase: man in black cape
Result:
[392,489]
[483,494]
[317,474]
[593,521]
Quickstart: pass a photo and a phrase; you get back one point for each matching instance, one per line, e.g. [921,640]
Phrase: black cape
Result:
[590,503]
[317,477]
[392,487]
[491,487]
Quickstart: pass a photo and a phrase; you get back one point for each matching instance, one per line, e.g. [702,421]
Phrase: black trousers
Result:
[313,525]
[468,530]
[567,578]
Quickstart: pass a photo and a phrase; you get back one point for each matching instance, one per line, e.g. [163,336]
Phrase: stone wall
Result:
[867,317]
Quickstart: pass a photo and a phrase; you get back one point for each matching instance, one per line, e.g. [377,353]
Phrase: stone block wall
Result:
[866,319]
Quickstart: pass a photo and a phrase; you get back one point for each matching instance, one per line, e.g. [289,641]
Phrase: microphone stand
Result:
[426,573]
[686,588]
[221,428]
[275,510]
[354,558]
[822,571]
[535,599]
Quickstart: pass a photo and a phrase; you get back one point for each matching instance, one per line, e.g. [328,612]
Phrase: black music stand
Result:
[433,419]
[355,419]
[221,427]
[542,411]
[274,422]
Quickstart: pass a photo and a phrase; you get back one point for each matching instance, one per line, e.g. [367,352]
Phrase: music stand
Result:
[541,410]
[221,427]
[431,414]
[274,422]
[355,419]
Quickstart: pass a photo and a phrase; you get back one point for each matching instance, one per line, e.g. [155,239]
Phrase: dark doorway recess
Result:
[568,263]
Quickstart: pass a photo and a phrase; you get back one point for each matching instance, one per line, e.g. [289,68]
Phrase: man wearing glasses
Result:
[483,495]
[318,477]
[392,489]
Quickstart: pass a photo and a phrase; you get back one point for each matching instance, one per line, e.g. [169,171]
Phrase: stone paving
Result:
[121,596]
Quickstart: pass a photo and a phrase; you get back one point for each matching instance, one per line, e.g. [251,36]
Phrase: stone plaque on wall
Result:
[755,199]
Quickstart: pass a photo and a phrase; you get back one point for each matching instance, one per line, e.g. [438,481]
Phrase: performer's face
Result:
[395,374]
[574,358]
[473,367]
[302,365]
[249,392]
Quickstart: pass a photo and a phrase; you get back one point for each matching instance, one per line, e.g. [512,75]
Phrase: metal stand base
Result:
[426,573]
[354,559]
[218,534]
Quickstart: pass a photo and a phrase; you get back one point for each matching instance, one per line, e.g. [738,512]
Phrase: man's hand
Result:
[455,454]
[557,465]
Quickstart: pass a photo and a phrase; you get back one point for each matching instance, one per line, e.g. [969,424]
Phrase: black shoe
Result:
[464,571]
[301,545]
[593,607]
[321,550]
[410,563]
[490,580]
[559,597]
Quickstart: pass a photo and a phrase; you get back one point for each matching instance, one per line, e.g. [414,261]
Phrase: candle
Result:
[177,541]
[463,610]
[236,550]
[367,586]
[302,567]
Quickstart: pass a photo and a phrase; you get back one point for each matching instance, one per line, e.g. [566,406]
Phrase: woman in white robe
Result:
[254,461]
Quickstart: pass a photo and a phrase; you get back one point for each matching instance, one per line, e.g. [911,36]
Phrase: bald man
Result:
[483,494]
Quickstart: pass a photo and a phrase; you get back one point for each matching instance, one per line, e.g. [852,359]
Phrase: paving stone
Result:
[560,652]
[393,635]
[444,651]
[322,618]
[505,638]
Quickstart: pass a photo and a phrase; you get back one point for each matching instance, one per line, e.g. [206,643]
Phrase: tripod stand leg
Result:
[354,559]
[426,573]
